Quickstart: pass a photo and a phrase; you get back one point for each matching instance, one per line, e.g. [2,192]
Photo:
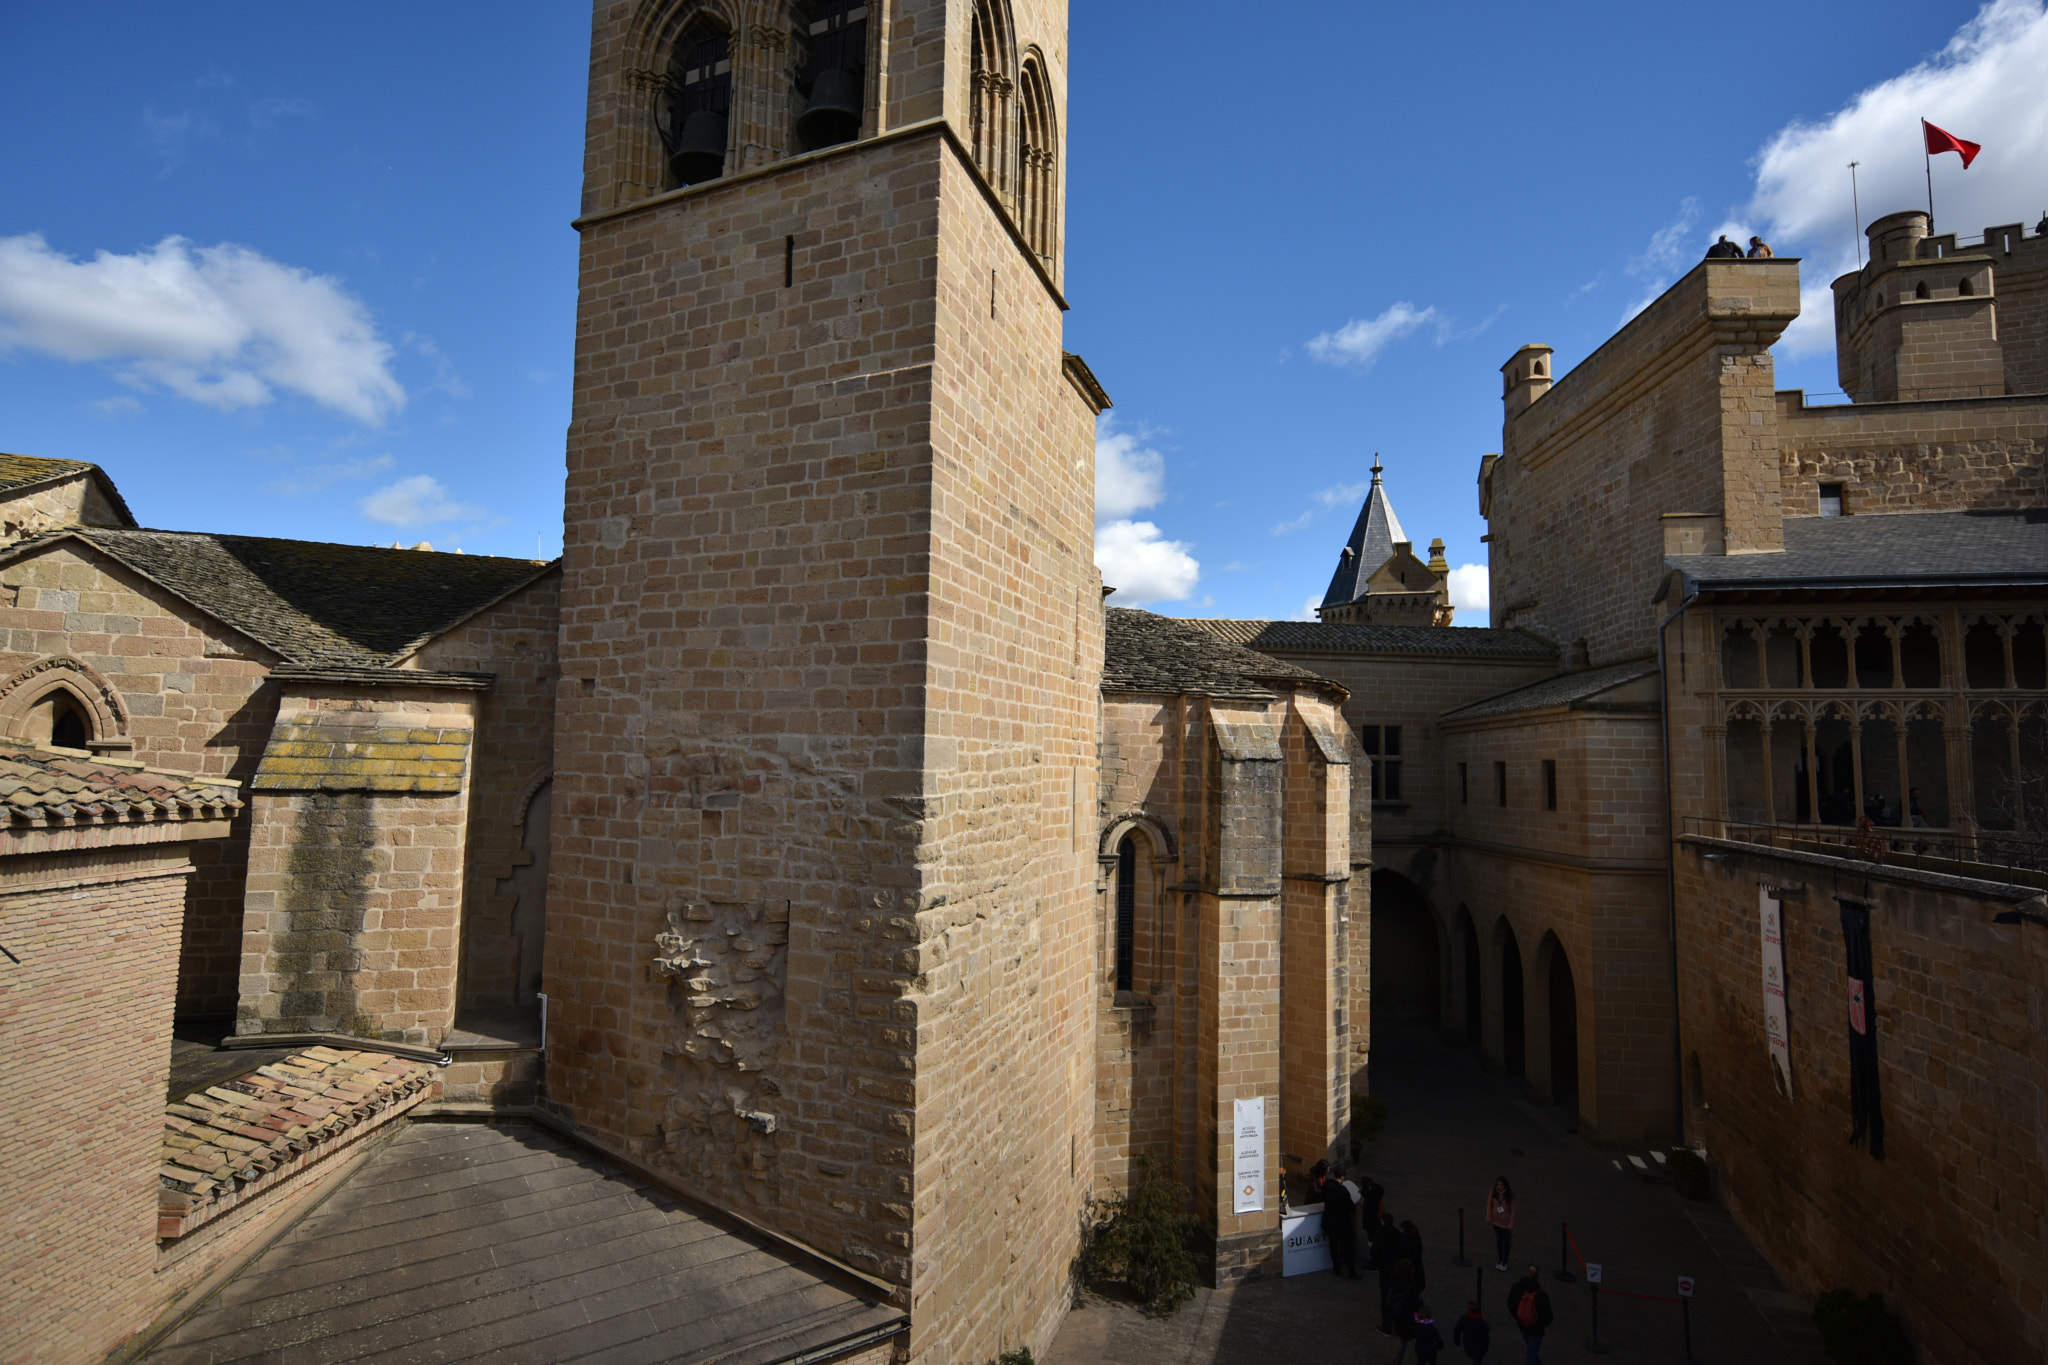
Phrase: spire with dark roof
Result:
[1371,544]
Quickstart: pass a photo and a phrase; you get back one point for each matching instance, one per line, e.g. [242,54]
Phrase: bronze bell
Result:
[834,112]
[699,154]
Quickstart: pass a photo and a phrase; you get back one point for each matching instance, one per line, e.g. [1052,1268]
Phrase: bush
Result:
[1860,1331]
[1686,1164]
[1141,1238]
[1368,1116]
[1020,1356]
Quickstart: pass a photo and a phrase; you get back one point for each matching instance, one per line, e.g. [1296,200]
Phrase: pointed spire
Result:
[1376,467]
[1370,544]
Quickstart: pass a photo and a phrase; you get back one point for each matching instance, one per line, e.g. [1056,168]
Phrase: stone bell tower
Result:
[820,926]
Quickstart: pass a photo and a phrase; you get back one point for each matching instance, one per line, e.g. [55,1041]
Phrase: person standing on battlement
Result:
[1724,250]
[1759,249]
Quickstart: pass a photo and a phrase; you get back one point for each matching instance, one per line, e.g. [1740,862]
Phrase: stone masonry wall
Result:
[355,896]
[1937,456]
[189,693]
[1948,1226]
[86,1011]
[1675,413]
[504,896]
[68,502]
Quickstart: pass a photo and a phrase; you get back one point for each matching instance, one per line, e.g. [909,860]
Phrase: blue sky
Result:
[337,290]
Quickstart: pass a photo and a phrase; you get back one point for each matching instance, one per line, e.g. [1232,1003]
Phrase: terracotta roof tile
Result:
[45,786]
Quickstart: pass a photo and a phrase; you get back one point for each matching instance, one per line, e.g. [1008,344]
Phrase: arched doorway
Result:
[1406,958]
[1564,1027]
[1512,1020]
[1468,948]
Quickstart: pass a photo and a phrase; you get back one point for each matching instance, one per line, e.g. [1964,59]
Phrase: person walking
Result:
[1530,1308]
[1500,1212]
[1340,1233]
[1429,1342]
[1411,1249]
[1472,1332]
[1386,1256]
[1401,1310]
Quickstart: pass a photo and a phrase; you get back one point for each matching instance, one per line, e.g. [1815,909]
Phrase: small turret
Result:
[1525,378]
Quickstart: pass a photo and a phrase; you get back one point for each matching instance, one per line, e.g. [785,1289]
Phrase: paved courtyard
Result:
[1452,1129]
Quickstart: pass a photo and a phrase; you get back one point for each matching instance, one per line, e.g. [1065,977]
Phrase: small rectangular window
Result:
[1500,783]
[1383,747]
[1831,500]
[1464,785]
[1550,784]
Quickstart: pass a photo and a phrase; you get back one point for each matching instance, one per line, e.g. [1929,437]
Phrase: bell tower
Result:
[821,934]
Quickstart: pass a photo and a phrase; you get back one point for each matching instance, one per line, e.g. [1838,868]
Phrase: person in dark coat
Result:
[1536,1318]
[1472,1332]
[1724,249]
[1386,1255]
[1429,1342]
[1411,1250]
[1340,1233]
[1401,1309]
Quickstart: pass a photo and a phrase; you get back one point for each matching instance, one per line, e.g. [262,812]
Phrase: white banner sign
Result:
[1773,914]
[1248,1144]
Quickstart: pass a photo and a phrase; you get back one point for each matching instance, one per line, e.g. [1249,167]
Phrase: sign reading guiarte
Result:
[1248,1164]
[1776,1037]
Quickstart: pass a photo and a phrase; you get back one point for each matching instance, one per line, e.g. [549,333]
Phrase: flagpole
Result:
[1927,158]
[1856,206]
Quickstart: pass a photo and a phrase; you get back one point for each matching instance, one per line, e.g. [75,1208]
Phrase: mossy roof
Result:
[25,473]
[1160,654]
[310,601]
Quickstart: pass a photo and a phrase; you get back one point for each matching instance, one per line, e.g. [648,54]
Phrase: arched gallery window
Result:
[831,78]
[1126,913]
[1038,189]
[990,130]
[695,103]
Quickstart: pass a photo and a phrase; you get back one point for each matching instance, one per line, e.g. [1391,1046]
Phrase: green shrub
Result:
[1686,1164]
[1368,1116]
[1020,1356]
[1141,1238]
[1860,1331]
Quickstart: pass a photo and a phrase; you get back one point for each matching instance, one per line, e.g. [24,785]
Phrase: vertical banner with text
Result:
[1248,1162]
[1780,1043]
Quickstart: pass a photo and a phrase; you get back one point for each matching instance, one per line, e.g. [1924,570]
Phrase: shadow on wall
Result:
[321,908]
[1406,957]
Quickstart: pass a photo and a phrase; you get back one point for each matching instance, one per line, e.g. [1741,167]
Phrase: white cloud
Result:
[1308,609]
[1343,494]
[416,501]
[1289,527]
[121,405]
[220,325]
[1360,341]
[1128,476]
[1985,85]
[1142,565]
[1672,250]
[323,476]
[1471,587]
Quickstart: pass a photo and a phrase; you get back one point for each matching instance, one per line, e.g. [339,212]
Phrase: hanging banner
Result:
[1775,1035]
[1248,1143]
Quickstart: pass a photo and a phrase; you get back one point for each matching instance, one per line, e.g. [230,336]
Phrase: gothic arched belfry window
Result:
[990,125]
[696,102]
[831,75]
[1038,170]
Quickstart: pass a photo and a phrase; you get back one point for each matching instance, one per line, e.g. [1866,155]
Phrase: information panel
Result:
[1775,1035]
[1249,1162]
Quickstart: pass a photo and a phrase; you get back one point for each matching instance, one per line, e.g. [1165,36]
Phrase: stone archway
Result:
[1513,1020]
[1475,1000]
[1561,999]
[1407,954]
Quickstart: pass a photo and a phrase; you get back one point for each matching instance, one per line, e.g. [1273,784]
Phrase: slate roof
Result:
[1480,642]
[312,602]
[1891,550]
[1567,689]
[43,787]
[21,474]
[245,1135]
[1147,653]
[1371,544]
[506,1243]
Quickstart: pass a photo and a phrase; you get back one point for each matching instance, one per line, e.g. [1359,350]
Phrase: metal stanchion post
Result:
[1564,1255]
[1594,1345]
[1685,1314]
[1461,1259]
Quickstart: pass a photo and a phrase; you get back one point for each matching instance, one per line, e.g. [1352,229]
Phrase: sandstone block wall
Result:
[1960,1062]
[1914,457]
[354,906]
[86,1011]
[172,689]
[1675,413]
[75,501]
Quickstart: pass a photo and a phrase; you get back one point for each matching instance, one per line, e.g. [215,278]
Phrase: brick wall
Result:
[190,696]
[1948,1225]
[87,1016]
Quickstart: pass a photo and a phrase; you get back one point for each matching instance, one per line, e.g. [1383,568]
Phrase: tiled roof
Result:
[1147,653]
[1481,642]
[313,602]
[44,787]
[362,751]
[1566,689]
[238,1138]
[1873,552]
[24,473]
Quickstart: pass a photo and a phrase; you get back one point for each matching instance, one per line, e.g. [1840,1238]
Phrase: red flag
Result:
[1940,141]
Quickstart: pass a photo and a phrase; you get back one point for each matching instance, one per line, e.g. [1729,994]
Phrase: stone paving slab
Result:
[1452,1129]
[509,1243]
